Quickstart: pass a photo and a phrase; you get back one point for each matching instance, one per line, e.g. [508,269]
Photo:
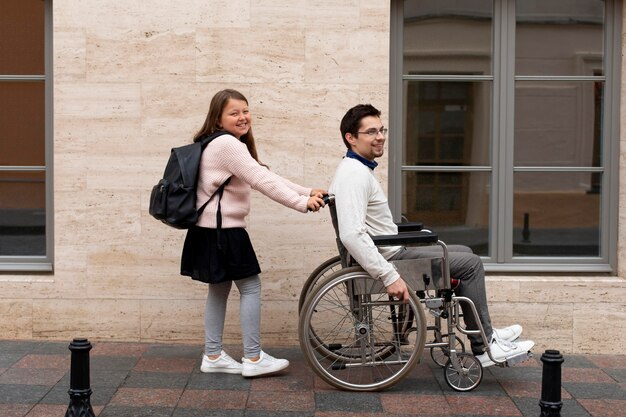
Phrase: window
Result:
[25,200]
[505,116]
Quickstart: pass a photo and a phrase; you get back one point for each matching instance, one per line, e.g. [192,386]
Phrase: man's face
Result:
[370,141]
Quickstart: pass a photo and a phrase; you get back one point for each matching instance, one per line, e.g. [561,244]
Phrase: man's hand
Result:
[399,290]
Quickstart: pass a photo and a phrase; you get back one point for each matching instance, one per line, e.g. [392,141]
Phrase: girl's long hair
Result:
[216,108]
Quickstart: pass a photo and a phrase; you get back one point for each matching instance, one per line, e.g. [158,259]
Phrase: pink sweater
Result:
[226,156]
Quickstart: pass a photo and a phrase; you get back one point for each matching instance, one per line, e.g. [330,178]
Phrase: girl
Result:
[220,255]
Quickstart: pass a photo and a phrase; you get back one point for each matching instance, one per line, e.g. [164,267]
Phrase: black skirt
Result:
[205,261]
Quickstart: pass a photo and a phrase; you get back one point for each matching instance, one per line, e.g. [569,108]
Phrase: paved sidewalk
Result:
[132,379]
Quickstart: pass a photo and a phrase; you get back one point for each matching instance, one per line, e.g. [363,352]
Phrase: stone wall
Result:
[132,79]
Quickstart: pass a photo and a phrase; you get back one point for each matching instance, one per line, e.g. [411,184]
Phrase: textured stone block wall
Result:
[134,78]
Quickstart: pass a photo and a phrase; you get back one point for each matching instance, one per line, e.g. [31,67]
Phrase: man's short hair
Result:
[351,121]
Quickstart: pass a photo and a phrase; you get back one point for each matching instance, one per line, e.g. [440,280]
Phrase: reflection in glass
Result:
[22,213]
[447,37]
[22,123]
[558,123]
[559,37]
[556,214]
[453,204]
[447,123]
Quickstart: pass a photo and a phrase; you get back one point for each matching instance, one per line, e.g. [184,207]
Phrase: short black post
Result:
[80,390]
[550,402]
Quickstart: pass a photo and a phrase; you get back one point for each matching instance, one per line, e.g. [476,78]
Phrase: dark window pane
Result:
[447,36]
[559,38]
[558,123]
[455,205]
[22,213]
[22,123]
[447,123]
[22,37]
[556,214]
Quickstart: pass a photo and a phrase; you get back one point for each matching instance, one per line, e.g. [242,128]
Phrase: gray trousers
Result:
[249,315]
[468,269]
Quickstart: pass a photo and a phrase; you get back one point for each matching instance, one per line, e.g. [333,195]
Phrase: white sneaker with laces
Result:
[503,350]
[508,333]
[265,365]
[223,365]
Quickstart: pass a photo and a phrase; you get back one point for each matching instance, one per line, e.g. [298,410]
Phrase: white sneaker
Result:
[502,350]
[508,333]
[265,365]
[223,365]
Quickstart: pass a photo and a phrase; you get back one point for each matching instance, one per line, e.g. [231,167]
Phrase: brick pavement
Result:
[133,379]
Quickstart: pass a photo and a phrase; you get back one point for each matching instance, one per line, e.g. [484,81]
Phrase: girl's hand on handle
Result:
[318,192]
[315,203]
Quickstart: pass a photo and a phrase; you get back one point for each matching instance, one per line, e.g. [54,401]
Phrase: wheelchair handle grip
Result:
[327,199]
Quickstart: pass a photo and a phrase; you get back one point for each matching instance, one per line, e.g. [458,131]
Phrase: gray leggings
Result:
[249,315]
[468,269]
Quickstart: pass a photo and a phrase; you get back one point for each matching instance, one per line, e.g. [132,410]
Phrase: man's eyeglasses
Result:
[374,132]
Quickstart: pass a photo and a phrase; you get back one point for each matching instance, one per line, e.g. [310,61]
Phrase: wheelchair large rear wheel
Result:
[324,270]
[355,337]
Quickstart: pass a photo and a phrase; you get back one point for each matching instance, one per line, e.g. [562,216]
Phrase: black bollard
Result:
[550,402]
[80,390]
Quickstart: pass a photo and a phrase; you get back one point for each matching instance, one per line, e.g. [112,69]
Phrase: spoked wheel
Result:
[352,336]
[324,270]
[469,375]
[440,355]
[334,349]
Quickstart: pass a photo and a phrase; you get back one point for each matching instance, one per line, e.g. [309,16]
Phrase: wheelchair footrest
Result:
[518,359]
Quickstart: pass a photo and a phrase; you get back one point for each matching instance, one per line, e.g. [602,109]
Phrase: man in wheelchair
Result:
[363,211]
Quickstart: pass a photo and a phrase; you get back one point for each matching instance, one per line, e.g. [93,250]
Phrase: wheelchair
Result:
[356,337]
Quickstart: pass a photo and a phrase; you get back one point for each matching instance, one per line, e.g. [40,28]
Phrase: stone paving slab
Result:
[134,380]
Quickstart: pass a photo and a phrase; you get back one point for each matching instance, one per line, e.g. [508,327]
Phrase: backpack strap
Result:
[218,216]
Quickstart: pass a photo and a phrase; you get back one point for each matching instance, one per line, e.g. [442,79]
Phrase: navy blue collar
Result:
[370,164]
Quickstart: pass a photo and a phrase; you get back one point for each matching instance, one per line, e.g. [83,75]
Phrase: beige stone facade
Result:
[134,78]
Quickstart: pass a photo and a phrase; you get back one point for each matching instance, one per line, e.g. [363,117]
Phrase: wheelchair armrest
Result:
[406,239]
[410,227]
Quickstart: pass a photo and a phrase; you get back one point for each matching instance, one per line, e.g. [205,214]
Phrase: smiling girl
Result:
[220,255]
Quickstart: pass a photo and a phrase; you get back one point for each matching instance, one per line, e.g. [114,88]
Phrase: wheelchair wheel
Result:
[440,354]
[468,378]
[351,333]
[324,270]
[335,350]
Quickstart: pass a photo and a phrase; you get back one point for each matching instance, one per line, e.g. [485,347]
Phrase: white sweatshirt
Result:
[363,211]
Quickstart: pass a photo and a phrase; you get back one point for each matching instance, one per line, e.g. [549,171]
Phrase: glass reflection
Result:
[22,214]
[556,214]
[454,204]
[558,123]
[447,37]
[447,123]
[559,37]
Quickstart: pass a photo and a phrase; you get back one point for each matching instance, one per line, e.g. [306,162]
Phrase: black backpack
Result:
[173,199]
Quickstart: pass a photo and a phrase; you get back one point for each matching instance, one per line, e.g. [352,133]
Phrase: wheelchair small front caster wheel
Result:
[440,354]
[467,377]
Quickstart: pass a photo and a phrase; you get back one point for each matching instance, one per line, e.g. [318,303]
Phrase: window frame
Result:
[502,168]
[36,263]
